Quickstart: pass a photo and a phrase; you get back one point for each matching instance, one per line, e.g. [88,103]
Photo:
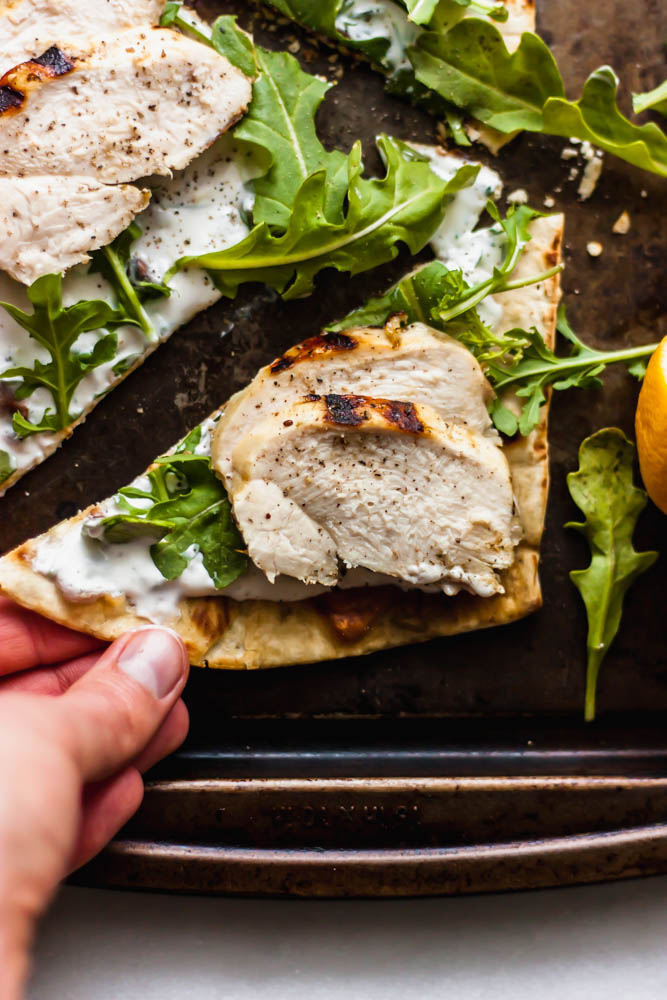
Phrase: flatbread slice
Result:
[227,634]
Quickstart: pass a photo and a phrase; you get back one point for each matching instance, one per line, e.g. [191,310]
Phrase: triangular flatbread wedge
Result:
[236,634]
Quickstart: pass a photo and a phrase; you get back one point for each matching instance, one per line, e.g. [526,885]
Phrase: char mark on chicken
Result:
[322,344]
[18,82]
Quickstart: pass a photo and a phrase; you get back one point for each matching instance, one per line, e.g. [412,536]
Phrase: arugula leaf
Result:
[456,130]
[540,369]
[465,324]
[420,298]
[471,67]
[465,62]
[328,18]
[281,123]
[57,329]
[423,11]
[405,206]
[131,291]
[236,45]
[171,12]
[6,467]
[420,11]
[595,117]
[416,297]
[189,512]
[603,490]
[177,15]
[190,441]
[313,208]
[651,100]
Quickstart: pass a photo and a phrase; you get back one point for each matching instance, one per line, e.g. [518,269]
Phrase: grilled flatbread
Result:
[228,634]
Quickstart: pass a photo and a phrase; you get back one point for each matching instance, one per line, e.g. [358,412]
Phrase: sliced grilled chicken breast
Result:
[419,365]
[29,27]
[146,102]
[50,223]
[384,485]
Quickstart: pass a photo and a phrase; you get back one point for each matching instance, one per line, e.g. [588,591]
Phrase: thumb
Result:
[111,713]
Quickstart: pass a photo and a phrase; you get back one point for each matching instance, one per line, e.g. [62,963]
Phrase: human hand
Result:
[77,729]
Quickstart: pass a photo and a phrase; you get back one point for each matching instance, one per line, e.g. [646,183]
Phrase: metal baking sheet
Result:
[491,717]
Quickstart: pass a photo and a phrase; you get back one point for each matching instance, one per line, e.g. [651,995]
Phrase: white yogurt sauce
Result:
[363,20]
[85,568]
[475,252]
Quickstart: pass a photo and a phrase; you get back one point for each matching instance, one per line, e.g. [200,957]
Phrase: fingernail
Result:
[154,657]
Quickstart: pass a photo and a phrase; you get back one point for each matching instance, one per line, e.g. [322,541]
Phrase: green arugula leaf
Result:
[190,441]
[416,296]
[6,467]
[281,124]
[131,290]
[595,117]
[189,512]
[465,325]
[456,130]
[540,368]
[405,206]
[471,67]
[236,45]
[313,208]
[603,490]
[421,298]
[171,12]
[325,17]
[177,15]
[651,100]
[464,62]
[57,329]
[423,11]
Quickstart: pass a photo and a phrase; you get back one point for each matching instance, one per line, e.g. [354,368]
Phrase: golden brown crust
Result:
[248,635]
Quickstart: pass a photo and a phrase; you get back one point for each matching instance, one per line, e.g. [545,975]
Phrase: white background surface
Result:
[595,942]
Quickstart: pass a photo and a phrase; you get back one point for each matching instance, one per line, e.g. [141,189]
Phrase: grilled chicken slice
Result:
[420,366]
[384,485]
[50,223]
[146,102]
[29,27]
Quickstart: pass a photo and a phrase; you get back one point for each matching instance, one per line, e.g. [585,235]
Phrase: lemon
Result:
[651,427]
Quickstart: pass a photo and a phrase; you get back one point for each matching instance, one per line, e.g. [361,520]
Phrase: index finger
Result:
[27,640]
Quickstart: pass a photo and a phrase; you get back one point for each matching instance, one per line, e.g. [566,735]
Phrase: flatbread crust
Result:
[226,634]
